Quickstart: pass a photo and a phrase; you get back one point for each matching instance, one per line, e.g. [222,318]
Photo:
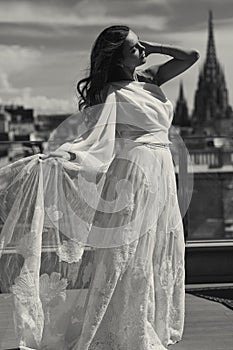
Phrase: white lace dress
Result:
[134,297]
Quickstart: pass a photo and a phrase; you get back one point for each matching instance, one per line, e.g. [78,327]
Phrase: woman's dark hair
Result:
[105,55]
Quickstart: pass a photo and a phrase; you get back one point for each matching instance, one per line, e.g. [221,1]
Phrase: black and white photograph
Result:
[116,175]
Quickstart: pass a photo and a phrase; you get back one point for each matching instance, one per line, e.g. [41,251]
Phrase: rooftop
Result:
[208,325]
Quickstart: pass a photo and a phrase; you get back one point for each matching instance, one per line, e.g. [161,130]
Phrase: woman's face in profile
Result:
[133,52]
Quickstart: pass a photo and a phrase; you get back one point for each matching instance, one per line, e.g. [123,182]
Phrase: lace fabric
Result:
[91,272]
[136,297]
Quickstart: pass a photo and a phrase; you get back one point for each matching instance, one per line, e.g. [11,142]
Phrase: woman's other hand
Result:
[58,154]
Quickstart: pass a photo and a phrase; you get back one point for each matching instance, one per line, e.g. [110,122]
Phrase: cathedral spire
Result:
[211,60]
[211,53]
[212,113]
[181,93]
[181,115]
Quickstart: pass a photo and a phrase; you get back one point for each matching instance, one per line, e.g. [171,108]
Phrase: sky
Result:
[45,44]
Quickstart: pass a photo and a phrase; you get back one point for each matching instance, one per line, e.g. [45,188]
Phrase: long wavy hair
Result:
[105,57]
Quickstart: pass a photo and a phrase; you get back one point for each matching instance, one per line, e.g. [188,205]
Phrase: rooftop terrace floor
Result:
[208,326]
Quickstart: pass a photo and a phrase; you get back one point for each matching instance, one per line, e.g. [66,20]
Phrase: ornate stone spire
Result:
[211,64]
[181,117]
[212,114]
[181,94]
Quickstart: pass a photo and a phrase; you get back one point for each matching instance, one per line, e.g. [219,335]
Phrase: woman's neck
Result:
[129,73]
[123,74]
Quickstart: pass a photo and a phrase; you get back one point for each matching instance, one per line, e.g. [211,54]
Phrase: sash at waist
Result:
[148,140]
[160,137]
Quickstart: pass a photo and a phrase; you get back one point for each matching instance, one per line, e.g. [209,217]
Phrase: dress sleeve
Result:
[94,147]
[47,209]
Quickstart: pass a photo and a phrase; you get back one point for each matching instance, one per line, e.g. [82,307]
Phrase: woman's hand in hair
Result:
[150,47]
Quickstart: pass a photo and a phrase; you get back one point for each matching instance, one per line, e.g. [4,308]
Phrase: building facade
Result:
[207,133]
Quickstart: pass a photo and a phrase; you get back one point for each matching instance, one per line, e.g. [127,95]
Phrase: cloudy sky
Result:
[45,44]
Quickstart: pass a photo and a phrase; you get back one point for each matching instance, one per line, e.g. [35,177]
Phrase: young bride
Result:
[112,189]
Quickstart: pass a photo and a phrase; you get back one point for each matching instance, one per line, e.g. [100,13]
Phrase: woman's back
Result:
[141,114]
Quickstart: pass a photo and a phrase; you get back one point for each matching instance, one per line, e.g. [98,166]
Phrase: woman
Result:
[135,300]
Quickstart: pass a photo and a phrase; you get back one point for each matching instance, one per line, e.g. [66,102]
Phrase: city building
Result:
[181,119]
[22,133]
[208,130]
[212,114]
[207,133]
[46,123]
[4,135]
[21,123]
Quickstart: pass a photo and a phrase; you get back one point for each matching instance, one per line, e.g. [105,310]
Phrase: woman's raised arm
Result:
[181,61]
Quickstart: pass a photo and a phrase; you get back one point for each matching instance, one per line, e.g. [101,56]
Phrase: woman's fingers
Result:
[60,154]
[148,47]
[43,156]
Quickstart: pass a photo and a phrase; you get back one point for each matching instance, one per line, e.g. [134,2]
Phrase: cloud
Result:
[16,58]
[83,13]
[191,15]
[20,70]
[42,40]
[5,84]
[44,80]
[72,24]
[159,14]
[43,104]
[40,103]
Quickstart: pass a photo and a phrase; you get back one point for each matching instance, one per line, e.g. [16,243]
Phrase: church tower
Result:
[212,114]
[181,115]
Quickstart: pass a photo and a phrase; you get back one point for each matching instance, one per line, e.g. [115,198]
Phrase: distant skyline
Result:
[45,44]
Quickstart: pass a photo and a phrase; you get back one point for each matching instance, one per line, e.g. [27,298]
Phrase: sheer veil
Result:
[49,205]
[49,209]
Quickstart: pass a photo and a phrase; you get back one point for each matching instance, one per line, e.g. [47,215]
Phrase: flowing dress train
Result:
[111,278]
[136,296]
